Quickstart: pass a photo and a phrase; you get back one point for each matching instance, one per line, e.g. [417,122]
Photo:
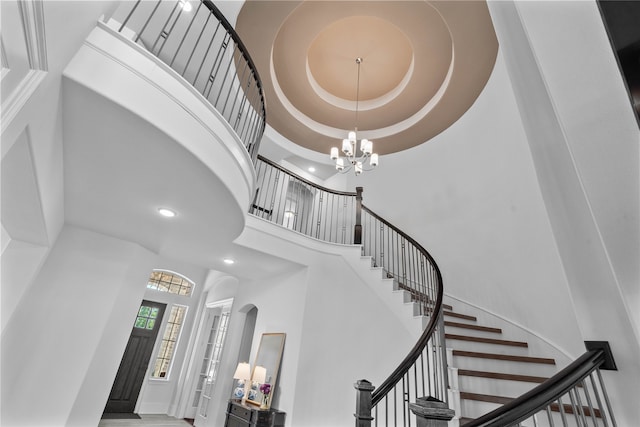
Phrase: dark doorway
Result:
[126,386]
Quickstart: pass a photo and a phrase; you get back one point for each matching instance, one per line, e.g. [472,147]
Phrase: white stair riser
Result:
[482,347]
[494,387]
[475,409]
[504,366]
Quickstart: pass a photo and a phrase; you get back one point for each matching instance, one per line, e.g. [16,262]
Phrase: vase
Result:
[265,402]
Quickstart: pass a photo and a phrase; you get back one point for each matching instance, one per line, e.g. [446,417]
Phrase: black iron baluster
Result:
[195,14]
[144,27]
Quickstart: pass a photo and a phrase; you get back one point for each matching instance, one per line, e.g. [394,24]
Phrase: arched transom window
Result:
[166,281]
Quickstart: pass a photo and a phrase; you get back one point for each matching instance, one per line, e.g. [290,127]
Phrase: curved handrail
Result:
[214,62]
[305,180]
[433,327]
[295,202]
[541,397]
[299,204]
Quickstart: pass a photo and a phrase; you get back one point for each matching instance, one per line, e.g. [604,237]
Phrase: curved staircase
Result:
[488,369]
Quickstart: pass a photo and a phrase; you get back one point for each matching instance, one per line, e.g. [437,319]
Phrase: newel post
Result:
[363,403]
[357,232]
[431,412]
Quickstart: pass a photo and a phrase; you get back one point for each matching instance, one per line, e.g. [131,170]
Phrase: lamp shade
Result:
[259,374]
[346,147]
[243,372]
[334,153]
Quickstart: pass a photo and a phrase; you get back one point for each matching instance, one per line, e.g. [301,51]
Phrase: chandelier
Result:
[352,156]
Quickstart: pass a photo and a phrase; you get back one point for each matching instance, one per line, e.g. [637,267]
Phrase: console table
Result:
[239,415]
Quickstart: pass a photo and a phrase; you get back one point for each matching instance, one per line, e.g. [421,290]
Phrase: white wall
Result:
[71,329]
[470,196]
[583,139]
[31,116]
[334,323]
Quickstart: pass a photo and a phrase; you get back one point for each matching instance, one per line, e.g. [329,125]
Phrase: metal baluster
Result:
[216,65]
[592,411]
[574,408]
[576,392]
[562,414]
[247,107]
[395,405]
[224,79]
[235,98]
[274,214]
[606,398]
[195,14]
[163,33]
[404,399]
[204,27]
[205,56]
[144,27]
[319,215]
[242,96]
[168,33]
[550,416]
[126,20]
[603,415]
[226,101]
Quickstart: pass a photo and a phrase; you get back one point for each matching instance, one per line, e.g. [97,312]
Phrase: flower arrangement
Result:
[265,389]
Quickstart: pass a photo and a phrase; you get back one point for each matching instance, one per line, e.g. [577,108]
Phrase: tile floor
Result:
[146,420]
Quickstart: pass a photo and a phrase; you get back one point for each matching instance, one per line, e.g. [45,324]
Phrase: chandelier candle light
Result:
[349,145]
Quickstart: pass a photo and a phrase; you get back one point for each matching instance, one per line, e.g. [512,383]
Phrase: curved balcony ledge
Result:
[133,124]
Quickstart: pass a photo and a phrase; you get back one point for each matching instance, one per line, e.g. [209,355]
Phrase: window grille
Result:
[165,281]
[169,342]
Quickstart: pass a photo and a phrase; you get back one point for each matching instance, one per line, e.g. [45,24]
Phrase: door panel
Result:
[210,364]
[135,361]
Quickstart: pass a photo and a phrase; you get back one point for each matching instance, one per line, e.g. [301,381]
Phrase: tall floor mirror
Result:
[265,369]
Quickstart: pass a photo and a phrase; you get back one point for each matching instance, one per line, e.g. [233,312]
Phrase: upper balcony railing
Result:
[301,205]
[296,203]
[196,40]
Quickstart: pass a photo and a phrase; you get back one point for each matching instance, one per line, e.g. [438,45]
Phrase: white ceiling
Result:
[119,169]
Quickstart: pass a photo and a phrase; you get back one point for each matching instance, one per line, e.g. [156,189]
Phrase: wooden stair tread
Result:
[460,316]
[501,376]
[527,359]
[485,397]
[567,408]
[471,326]
[486,340]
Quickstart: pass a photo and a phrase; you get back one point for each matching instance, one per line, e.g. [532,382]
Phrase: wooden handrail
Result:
[418,348]
[306,181]
[543,395]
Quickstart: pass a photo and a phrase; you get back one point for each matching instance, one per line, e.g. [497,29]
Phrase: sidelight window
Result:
[169,342]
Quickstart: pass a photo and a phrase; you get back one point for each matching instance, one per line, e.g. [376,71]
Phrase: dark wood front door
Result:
[135,360]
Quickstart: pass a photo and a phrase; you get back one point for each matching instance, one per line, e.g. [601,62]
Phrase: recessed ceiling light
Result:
[228,261]
[311,169]
[166,212]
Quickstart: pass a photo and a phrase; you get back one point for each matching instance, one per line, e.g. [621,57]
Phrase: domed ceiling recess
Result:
[423,65]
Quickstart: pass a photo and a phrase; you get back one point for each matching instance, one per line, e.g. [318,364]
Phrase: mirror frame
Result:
[275,354]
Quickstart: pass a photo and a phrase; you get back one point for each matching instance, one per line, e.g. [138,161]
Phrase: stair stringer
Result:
[398,301]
